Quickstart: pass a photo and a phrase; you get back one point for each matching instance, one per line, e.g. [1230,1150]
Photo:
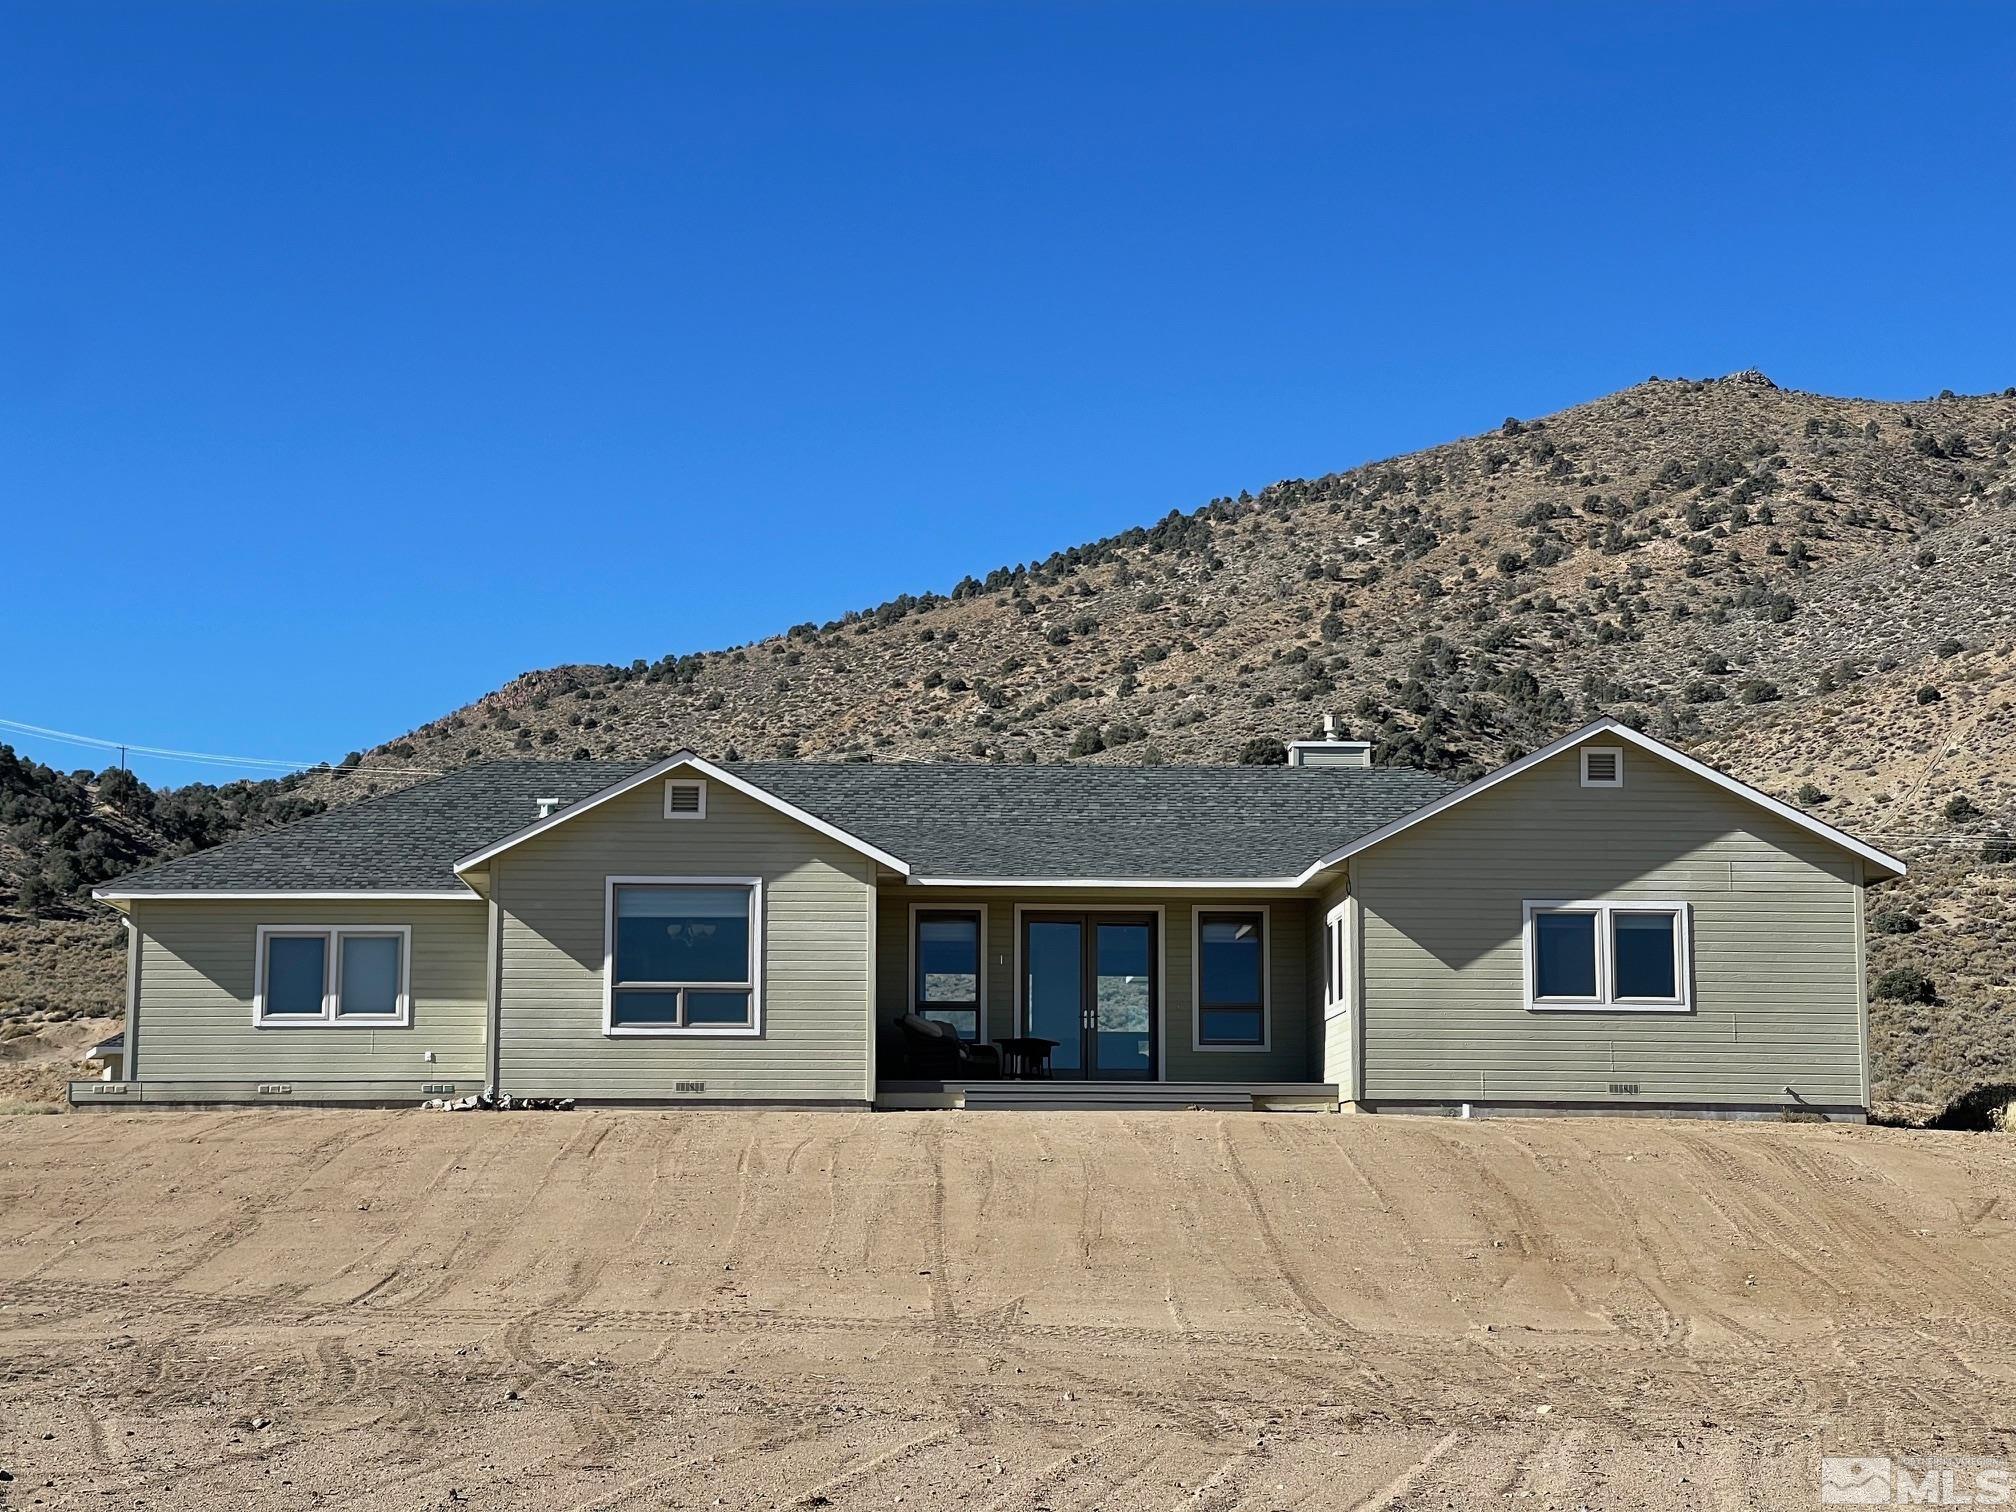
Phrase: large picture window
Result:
[683,955]
[345,975]
[946,988]
[1232,979]
[1626,957]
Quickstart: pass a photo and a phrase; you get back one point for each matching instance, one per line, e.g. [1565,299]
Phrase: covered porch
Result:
[1017,996]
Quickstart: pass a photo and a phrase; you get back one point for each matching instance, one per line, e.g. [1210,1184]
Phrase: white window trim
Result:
[698,785]
[332,978]
[1616,752]
[1337,960]
[1198,1044]
[1606,1000]
[751,1030]
[978,911]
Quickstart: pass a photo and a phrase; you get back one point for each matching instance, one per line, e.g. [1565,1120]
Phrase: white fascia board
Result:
[1188,884]
[1608,726]
[707,769]
[272,895]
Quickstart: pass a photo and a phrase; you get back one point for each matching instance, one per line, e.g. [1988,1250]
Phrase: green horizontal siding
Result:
[1293,1050]
[1776,917]
[197,971]
[818,898]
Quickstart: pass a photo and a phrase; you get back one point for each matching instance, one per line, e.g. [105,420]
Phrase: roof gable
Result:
[1606,726]
[688,761]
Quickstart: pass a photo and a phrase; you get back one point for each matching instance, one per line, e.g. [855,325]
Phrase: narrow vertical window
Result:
[1336,962]
[1231,979]
[947,989]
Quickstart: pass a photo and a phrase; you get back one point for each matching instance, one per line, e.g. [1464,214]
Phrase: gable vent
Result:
[685,800]
[1602,766]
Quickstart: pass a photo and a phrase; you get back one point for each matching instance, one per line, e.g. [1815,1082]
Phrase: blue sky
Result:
[356,357]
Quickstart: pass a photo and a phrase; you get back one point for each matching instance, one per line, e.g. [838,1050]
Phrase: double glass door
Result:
[1088,982]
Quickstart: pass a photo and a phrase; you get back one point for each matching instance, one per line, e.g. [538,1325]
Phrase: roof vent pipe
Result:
[546,806]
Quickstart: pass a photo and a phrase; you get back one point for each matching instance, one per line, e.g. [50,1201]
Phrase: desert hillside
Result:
[1817,593]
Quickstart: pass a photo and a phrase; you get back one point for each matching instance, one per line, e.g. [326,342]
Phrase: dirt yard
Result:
[1007,1311]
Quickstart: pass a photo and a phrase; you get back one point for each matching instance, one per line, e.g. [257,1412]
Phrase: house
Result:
[1603,925]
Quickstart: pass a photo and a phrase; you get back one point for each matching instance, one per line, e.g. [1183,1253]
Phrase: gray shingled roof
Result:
[408,841]
[1101,821]
[1063,822]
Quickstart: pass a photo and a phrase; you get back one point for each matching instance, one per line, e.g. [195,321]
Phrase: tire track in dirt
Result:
[217,1313]
[1656,1241]
[1323,1322]
[442,1188]
[854,1475]
[319,1156]
[502,1230]
[1162,1163]
[1394,1492]
[714,1459]
[1025,1492]
[1756,1216]
[1889,1248]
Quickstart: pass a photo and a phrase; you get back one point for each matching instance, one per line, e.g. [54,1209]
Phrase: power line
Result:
[199,758]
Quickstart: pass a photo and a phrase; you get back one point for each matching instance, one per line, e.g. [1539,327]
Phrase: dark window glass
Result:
[1231,1026]
[717,1008]
[948,971]
[296,968]
[1230,974]
[1053,961]
[1643,952]
[1564,955]
[370,976]
[682,934]
[636,1009]
[948,958]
